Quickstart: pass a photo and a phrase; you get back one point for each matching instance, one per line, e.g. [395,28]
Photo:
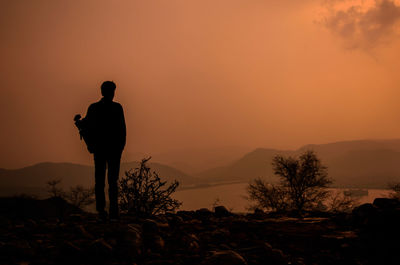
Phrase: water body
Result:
[232,196]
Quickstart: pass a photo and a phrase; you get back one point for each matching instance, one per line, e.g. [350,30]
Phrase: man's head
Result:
[108,90]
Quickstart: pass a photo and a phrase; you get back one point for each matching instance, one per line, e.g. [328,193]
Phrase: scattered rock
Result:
[277,257]
[132,242]
[155,243]
[225,257]
[161,262]
[221,211]
[150,226]
[175,220]
[363,212]
[264,252]
[85,233]
[204,213]
[191,242]
[220,235]
[202,237]
[386,203]
[70,249]
[100,247]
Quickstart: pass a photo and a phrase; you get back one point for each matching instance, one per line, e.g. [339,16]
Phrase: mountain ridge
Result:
[360,163]
[71,174]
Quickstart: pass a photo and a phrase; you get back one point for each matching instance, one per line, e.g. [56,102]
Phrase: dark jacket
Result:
[106,127]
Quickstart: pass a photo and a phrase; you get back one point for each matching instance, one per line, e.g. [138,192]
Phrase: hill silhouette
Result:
[364,163]
[32,179]
[194,160]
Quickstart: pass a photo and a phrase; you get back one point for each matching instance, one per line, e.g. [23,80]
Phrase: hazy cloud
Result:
[364,25]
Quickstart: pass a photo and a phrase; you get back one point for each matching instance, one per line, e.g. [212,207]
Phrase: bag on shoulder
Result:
[84,132]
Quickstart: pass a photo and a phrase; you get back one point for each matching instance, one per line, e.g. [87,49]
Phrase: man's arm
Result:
[89,115]
[123,129]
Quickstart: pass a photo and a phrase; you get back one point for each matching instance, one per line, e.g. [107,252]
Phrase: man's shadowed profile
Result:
[104,132]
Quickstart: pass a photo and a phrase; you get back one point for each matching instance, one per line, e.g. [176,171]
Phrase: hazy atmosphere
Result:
[198,74]
[206,132]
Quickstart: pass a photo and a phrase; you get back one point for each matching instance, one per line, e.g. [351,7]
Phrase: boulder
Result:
[85,233]
[225,257]
[175,220]
[363,213]
[100,248]
[155,243]
[277,257]
[204,212]
[220,235]
[386,203]
[150,227]
[133,239]
[265,253]
[186,215]
[190,242]
[221,211]
[71,249]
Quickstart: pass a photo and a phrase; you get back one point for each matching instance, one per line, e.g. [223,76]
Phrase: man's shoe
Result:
[102,217]
[114,216]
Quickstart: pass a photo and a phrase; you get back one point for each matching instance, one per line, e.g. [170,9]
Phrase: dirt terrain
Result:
[54,232]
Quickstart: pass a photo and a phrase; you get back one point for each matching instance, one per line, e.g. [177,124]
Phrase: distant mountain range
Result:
[34,178]
[363,164]
[195,160]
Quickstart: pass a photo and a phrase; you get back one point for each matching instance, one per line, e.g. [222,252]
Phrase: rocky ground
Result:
[53,232]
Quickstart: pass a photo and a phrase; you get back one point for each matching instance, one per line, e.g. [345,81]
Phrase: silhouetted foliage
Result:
[395,191]
[267,196]
[340,202]
[53,189]
[142,193]
[303,184]
[80,196]
[305,179]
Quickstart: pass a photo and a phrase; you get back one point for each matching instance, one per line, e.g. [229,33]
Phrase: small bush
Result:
[395,191]
[303,186]
[267,196]
[142,193]
[78,196]
[53,189]
[340,202]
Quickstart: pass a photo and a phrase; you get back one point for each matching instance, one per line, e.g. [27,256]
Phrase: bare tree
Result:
[143,193]
[395,191]
[340,202]
[305,178]
[80,196]
[303,186]
[53,189]
[267,196]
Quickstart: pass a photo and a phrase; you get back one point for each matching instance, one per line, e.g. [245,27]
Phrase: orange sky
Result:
[198,73]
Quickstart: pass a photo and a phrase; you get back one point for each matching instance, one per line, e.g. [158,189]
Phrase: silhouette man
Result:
[105,134]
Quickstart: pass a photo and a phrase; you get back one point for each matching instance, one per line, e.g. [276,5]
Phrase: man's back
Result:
[106,124]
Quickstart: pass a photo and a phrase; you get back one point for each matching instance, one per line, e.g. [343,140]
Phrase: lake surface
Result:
[232,196]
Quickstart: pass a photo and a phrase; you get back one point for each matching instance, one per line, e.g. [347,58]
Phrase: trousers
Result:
[110,161]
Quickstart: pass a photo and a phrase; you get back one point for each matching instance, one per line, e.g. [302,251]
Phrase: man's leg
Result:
[100,174]
[113,174]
